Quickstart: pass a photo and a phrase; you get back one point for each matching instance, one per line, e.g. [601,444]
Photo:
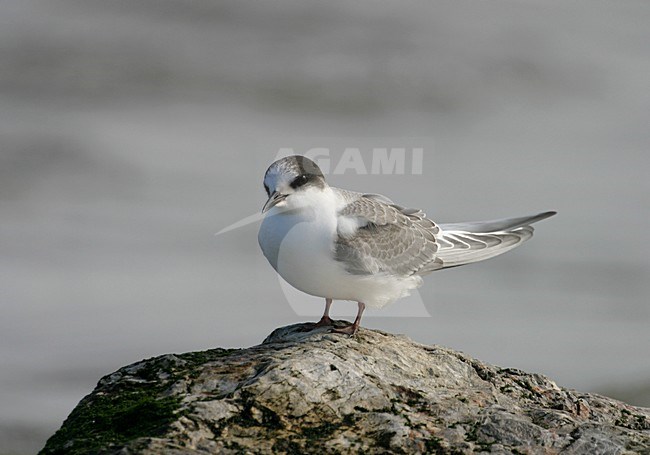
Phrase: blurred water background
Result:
[132,131]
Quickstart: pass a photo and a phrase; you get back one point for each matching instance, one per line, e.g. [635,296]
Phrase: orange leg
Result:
[325,320]
[352,328]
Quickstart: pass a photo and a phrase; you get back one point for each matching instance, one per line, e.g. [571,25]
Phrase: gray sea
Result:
[132,131]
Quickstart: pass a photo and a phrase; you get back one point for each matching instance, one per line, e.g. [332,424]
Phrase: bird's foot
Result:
[325,321]
[350,330]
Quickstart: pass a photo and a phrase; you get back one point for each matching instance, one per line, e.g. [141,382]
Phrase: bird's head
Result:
[290,176]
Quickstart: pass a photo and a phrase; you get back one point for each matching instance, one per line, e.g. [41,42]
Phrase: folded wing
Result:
[391,239]
[387,238]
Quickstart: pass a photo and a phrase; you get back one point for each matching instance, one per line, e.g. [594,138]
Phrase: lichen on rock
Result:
[304,391]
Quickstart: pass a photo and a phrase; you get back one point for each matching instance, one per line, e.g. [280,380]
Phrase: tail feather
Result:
[504,224]
[465,243]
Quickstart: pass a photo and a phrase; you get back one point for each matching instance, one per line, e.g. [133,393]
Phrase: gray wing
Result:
[504,224]
[465,243]
[390,239]
[399,241]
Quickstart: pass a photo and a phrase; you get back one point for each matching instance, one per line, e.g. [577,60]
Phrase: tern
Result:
[344,245]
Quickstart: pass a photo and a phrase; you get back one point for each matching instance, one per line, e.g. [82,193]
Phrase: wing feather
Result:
[460,247]
[390,239]
[504,224]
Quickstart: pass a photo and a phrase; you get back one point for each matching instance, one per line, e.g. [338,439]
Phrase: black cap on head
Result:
[296,164]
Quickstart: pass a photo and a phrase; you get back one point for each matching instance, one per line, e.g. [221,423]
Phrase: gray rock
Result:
[306,391]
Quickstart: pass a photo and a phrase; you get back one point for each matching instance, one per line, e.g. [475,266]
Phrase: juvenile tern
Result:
[343,245]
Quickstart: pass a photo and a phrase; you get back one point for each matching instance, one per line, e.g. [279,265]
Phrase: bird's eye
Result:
[268,193]
[299,181]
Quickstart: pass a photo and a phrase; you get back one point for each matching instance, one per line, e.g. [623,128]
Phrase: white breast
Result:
[299,244]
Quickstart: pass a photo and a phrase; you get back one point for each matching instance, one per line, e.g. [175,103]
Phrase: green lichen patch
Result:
[102,421]
[132,403]
[196,360]
[203,357]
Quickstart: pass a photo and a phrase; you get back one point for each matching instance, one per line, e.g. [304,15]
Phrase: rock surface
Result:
[312,391]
